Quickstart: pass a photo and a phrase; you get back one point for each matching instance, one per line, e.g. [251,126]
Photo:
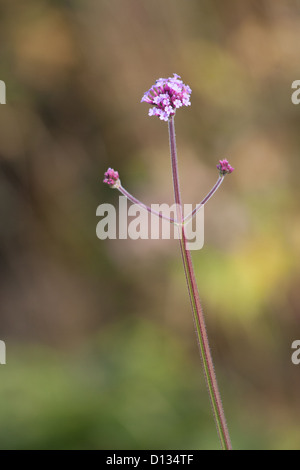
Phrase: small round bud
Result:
[224,167]
[111,177]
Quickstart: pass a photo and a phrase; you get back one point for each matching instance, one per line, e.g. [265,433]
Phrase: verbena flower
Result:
[224,167]
[112,178]
[167,95]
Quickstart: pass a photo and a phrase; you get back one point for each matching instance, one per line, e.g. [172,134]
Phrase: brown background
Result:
[101,350]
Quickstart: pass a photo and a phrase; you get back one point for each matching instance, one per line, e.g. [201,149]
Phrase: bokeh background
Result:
[101,348]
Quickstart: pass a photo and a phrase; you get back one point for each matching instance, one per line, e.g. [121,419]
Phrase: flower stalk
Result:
[166,96]
[199,321]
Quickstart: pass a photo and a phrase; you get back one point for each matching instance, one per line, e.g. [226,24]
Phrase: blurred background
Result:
[101,348]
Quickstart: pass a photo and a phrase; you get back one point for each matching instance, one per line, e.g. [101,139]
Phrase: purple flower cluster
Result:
[167,95]
[224,167]
[112,178]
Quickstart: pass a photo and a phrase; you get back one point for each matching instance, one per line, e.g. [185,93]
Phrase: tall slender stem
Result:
[205,353]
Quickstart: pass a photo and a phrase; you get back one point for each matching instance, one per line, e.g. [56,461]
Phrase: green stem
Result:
[205,353]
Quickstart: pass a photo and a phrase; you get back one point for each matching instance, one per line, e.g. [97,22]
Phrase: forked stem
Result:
[205,353]
[178,221]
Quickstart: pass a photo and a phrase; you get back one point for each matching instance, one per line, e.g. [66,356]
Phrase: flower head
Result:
[112,178]
[224,167]
[167,95]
